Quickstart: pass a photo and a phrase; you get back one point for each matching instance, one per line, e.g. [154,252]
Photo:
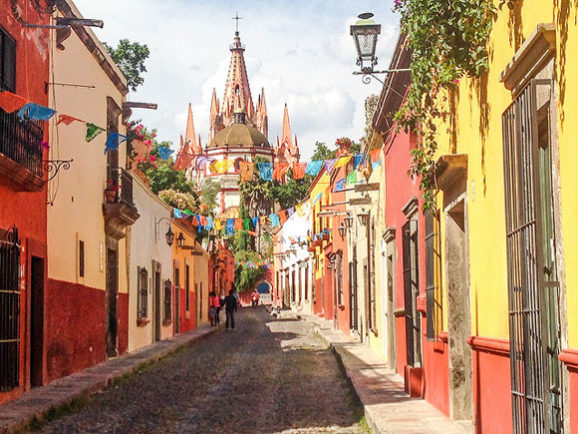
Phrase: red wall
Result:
[492,393]
[122,323]
[31,75]
[573,399]
[75,329]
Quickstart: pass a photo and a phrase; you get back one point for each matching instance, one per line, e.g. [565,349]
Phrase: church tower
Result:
[237,97]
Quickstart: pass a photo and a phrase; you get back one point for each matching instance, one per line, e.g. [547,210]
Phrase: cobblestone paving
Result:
[266,376]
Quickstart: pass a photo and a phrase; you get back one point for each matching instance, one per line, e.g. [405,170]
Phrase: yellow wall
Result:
[78,192]
[181,258]
[480,136]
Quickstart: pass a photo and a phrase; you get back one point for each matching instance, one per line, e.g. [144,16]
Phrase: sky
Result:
[299,51]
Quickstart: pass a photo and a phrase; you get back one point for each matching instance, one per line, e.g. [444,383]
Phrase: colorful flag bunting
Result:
[218,225]
[230,229]
[177,213]
[221,166]
[92,131]
[280,171]
[247,224]
[282,217]
[266,171]
[238,224]
[10,102]
[247,170]
[35,112]
[314,167]
[298,170]
[164,152]
[66,120]
[201,162]
[290,212]
[329,165]
[342,162]
[340,184]
[112,141]
[256,222]
[274,219]
[352,177]
[357,160]
[210,224]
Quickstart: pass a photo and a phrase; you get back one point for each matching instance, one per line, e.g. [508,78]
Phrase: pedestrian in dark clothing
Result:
[230,308]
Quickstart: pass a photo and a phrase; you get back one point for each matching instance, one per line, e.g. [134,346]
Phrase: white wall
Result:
[148,244]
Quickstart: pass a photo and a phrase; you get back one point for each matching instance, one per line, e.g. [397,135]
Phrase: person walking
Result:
[214,308]
[230,309]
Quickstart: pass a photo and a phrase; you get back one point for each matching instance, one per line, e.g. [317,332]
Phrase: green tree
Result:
[209,194]
[292,192]
[245,277]
[130,57]
[322,152]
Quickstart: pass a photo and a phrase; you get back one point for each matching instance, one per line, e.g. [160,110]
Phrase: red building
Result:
[24,72]
[221,270]
[413,257]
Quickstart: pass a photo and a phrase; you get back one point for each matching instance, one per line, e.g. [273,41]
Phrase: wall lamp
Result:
[363,218]
[349,220]
[169,236]
[342,230]
[365,33]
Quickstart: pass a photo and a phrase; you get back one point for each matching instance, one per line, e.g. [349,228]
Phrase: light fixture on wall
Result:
[349,220]
[365,33]
[363,218]
[342,230]
[169,236]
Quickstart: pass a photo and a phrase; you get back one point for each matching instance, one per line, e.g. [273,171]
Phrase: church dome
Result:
[239,135]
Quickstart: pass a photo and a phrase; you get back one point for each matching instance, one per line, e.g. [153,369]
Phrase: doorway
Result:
[177,281]
[36,320]
[411,292]
[157,300]
[111,302]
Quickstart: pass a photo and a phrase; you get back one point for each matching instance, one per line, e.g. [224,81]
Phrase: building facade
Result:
[150,270]
[24,69]
[87,296]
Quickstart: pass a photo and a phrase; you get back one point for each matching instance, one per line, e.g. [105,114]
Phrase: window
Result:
[9,310]
[7,62]
[168,300]
[433,275]
[411,292]
[81,258]
[142,281]
[372,314]
[187,288]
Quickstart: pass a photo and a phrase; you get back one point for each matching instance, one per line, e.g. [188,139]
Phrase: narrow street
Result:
[265,376]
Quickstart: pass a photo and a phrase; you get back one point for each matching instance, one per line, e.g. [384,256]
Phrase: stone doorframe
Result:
[451,177]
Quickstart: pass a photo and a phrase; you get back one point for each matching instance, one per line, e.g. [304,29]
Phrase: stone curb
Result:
[370,393]
[38,403]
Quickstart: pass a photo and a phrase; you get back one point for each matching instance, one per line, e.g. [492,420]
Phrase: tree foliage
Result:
[322,152]
[130,57]
[448,41]
[245,277]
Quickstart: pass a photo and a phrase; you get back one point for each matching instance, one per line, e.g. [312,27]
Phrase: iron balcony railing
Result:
[21,141]
[121,180]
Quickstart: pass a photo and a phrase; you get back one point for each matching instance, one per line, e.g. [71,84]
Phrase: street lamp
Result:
[169,236]
[365,32]
[342,230]
[349,220]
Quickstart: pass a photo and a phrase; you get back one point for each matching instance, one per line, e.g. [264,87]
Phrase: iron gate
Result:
[9,309]
[533,287]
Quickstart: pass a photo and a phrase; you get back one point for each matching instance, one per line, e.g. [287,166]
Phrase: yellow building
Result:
[87,291]
[508,220]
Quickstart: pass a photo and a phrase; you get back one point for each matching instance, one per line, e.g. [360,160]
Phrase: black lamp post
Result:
[365,33]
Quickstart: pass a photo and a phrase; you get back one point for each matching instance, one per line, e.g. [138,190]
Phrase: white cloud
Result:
[299,51]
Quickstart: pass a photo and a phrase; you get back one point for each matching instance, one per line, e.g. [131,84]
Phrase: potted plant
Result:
[110,192]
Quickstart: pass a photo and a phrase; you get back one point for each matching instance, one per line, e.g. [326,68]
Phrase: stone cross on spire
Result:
[237,18]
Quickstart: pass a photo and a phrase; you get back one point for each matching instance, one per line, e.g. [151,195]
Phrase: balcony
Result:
[118,209]
[21,152]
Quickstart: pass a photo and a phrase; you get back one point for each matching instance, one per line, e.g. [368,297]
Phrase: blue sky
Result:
[299,51]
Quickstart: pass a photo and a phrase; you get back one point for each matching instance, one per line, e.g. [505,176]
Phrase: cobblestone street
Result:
[266,376]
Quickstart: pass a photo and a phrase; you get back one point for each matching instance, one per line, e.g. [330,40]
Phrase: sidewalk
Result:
[38,402]
[387,407]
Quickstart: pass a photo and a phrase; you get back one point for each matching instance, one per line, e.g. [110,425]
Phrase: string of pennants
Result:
[277,171]
[10,103]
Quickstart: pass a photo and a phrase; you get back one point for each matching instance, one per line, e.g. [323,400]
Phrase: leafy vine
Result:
[448,41]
